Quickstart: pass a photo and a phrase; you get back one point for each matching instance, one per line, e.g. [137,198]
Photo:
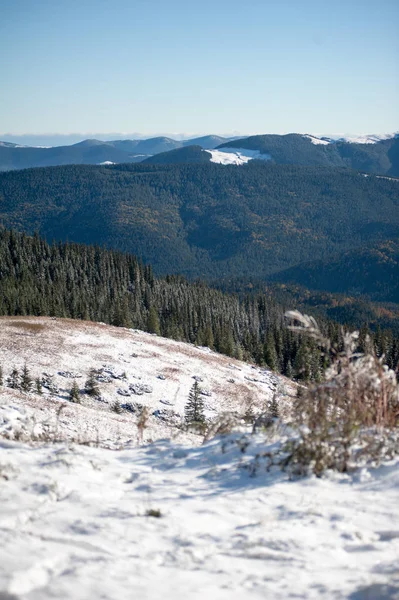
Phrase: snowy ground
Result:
[75,524]
[172,519]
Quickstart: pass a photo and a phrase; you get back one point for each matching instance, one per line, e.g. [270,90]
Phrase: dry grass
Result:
[27,326]
[358,395]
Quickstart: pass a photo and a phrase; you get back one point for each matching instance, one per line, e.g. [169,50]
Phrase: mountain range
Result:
[92,151]
[369,154]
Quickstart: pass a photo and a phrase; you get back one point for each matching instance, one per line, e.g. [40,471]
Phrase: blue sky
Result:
[174,66]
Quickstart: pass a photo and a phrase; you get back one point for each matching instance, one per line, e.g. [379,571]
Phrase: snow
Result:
[352,139]
[75,524]
[107,162]
[171,519]
[236,156]
[317,141]
[63,348]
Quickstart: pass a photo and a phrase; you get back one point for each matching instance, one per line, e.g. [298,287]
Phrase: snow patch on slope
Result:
[317,141]
[236,156]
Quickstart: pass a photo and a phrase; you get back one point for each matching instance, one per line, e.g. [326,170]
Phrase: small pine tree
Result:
[38,385]
[13,379]
[273,408]
[116,407]
[194,409]
[153,325]
[74,393]
[25,380]
[1,376]
[91,387]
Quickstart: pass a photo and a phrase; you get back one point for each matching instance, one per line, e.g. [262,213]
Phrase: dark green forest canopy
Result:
[207,221]
[88,282]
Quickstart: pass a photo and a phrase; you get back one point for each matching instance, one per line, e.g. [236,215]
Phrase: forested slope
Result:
[205,220]
[87,282]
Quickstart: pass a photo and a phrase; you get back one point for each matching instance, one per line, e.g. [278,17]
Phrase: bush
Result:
[351,416]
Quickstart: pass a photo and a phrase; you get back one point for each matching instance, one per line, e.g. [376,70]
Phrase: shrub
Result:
[352,415]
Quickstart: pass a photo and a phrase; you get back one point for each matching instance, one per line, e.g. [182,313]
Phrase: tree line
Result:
[92,283]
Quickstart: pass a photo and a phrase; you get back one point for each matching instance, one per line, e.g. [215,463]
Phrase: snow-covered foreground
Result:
[76,524]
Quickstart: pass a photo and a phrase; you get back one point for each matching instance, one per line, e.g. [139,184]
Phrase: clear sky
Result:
[208,66]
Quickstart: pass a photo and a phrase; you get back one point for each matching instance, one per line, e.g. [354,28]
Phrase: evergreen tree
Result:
[194,409]
[13,379]
[74,393]
[1,376]
[91,387]
[273,408]
[38,385]
[153,325]
[270,353]
[26,380]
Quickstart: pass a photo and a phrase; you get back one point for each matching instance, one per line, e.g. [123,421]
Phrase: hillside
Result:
[371,270]
[381,157]
[206,220]
[135,368]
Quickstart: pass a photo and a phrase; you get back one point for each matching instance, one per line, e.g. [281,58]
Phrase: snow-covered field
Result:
[236,156]
[172,519]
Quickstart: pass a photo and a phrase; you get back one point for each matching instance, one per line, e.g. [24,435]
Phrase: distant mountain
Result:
[188,154]
[374,155]
[371,270]
[208,142]
[93,151]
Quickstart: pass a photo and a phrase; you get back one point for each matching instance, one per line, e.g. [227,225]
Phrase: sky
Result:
[188,67]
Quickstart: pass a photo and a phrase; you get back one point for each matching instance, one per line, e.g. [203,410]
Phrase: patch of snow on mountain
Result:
[236,156]
[317,141]
[107,162]
[366,139]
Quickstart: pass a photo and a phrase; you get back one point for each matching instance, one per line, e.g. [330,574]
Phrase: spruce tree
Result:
[91,387]
[74,393]
[1,376]
[26,380]
[153,325]
[194,409]
[13,379]
[38,385]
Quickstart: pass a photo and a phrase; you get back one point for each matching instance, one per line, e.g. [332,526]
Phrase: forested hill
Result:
[381,157]
[86,282]
[206,220]
[372,271]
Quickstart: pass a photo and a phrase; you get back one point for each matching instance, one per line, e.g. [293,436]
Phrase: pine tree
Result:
[273,408]
[74,393]
[26,380]
[13,379]
[1,376]
[194,409]
[39,388]
[91,387]
[153,325]
[270,353]
[116,407]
